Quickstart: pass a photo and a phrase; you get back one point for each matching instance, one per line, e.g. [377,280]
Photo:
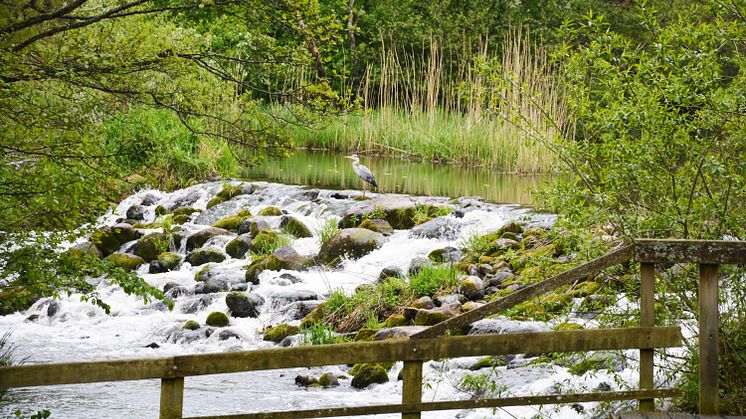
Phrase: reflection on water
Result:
[332,170]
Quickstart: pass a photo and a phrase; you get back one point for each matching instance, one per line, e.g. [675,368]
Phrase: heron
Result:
[363,172]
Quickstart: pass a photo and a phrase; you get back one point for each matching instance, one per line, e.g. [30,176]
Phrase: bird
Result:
[363,172]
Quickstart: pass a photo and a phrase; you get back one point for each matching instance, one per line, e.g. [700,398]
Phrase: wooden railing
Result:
[431,344]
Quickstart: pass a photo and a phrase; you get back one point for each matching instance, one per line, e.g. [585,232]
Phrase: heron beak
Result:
[349,157]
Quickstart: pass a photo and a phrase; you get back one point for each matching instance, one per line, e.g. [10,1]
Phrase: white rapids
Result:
[79,331]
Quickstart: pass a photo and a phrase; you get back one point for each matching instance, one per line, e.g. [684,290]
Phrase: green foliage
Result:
[8,357]
[41,414]
[328,229]
[320,334]
[368,305]
[266,242]
[654,150]
[430,279]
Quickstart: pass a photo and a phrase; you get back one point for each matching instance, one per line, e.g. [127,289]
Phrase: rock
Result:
[217,319]
[394,320]
[328,379]
[390,272]
[160,210]
[109,239]
[472,288]
[445,255]
[253,226]
[168,286]
[232,222]
[505,244]
[305,380]
[125,261]
[201,237]
[366,334]
[399,332]
[450,299]
[212,285]
[377,225]
[368,374]
[243,305]
[152,345]
[416,264]
[295,227]
[285,297]
[470,305]
[88,248]
[445,228]
[512,227]
[497,326]
[606,360]
[150,246]
[263,242]
[53,308]
[397,210]
[510,235]
[228,334]
[169,260]
[289,259]
[306,195]
[423,303]
[432,317]
[280,332]
[188,211]
[136,212]
[238,247]
[197,304]
[202,256]
[180,219]
[315,316]
[270,211]
[499,279]
[190,325]
[229,191]
[299,309]
[351,243]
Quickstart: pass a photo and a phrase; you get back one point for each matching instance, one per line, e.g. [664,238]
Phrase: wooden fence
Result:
[434,344]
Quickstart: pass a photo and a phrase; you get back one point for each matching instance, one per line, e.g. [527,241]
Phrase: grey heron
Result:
[363,172]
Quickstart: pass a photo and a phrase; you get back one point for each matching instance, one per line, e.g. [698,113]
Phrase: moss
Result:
[395,320]
[280,332]
[596,361]
[270,211]
[489,362]
[186,211]
[264,241]
[379,226]
[151,245]
[181,219]
[238,247]
[315,316]
[368,374]
[215,201]
[328,380]
[160,210]
[295,227]
[169,260]
[217,319]
[364,334]
[110,239]
[430,317]
[125,261]
[229,191]
[191,325]
[232,222]
[585,289]
[202,256]
[510,235]
[567,326]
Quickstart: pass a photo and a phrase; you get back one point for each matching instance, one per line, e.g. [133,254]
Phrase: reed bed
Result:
[502,111]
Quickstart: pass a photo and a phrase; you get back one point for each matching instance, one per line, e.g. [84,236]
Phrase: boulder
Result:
[423,303]
[445,255]
[416,265]
[305,380]
[212,285]
[472,288]
[282,258]
[169,261]
[495,326]
[202,256]
[188,211]
[370,373]
[328,379]
[201,237]
[295,227]
[270,211]
[285,297]
[125,261]
[233,222]
[390,272]
[89,248]
[109,239]
[280,332]
[432,317]
[151,245]
[136,212]
[243,305]
[377,225]
[400,332]
[446,228]
[350,242]
[229,191]
[194,305]
[397,210]
[217,319]
[190,325]
[238,247]
[299,309]
[263,242]
[253,226]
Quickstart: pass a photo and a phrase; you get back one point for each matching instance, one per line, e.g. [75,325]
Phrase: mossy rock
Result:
[18,299]
[201,237]
[238,247]
[229,191]
[350,242]
[328,379]
[169,260]
[160,210]
[217,200]
[512,227]
[510,235]
[217,319]
[379,226]
[233,221]
[430,317]
[600,360]
[280,332]
[472,288]
[365,335]
[185,211]
[585,289]
[242,304]
[295,227]
[151,245]
[202,256]
[369,373]
[270,212]
[396,320]
[567,326]
[315,316]
[529,310]
[489,362]
[263,240]
[125,261]
[190,325]
[109,239]
[87,248]
[181,219]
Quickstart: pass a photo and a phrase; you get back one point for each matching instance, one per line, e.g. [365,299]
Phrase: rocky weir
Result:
[257,265]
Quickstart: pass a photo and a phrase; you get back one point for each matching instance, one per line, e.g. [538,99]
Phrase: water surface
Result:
[332,170]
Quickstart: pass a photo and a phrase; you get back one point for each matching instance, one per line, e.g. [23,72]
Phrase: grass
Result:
[320,334]
[328,229]
[8,357]
[368,306]
[430,279]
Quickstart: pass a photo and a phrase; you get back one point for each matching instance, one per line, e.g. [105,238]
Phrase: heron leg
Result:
[364,189]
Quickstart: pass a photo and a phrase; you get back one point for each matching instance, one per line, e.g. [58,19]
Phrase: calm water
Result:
[332,170]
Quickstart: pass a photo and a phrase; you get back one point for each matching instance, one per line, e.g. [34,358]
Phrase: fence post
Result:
[647,319]
[172,397]
[709,394]
[412,387]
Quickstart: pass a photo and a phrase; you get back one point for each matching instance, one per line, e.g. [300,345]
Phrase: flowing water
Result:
[79,331]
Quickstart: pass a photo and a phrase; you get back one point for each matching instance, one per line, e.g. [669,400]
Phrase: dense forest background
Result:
[638,105]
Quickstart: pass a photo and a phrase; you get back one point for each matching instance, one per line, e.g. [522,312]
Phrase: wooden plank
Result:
[457,404]
[709,395]
[412,388]
[647,319]
[172,398]
[667,415]
[568,277]
[691,251]
[85,372]
[343,353]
